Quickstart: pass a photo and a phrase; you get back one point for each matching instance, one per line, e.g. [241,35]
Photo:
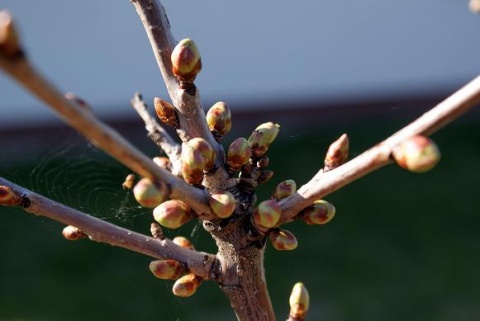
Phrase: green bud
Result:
[299,302]
[417,154]
[222,204]
[207,151]
[187,285]
[149,194]
[283,240]
[166,269]
[193,165]
[238,154]
[219,120]
[262,137]
[321,212]
[284,189]
[267,214]
[166,112]
[183,242]
[186,61]
[172,214]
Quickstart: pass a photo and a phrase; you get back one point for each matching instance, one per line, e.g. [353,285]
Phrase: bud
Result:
[263,161]
[156,231]
[129,181]
[267,214]
[222,204]
[193,164]
[238,154]
[283,240]
[9,42]
[207,151]
[172,214]
[166,112]
[166,269]
[149,194]
[474,6]
[262,137]
[183,242]
[284,189]
[9,197]
[265,176]
[417,154]
[219,120]
[73,233]
[299,302]
[187,285]
[321,212]
[163,162]
[186,61]
[337,153]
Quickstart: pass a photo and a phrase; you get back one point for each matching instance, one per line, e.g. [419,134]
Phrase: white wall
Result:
[270,49]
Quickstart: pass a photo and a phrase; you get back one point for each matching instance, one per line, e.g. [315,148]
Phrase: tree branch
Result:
[324,183]
[104,232]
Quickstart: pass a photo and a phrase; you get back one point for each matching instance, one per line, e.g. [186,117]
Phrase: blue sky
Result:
[268,50]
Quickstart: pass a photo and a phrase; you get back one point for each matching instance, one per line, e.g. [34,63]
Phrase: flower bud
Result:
[73,233]
[193,164]
[149,194]
[262,137]
[207,151]
[163,162]
[417,154]
[337,153]
[172,214]
[284,189]
[321,212]
[474,6]
[166,269]
[187,285]
[299,302]
[219,120]
[9,42]
[267,214]
[166,112]
[9,197]
[222,204]
[186,61]
[265,176]
[129,181]
[263,161]
[283,240]
[238,154]
[183,242]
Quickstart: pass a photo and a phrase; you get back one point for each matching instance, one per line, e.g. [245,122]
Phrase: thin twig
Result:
[324,183]
[104,232]
[157,133]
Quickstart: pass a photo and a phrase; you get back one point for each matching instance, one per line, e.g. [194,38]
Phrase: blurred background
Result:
[403,246]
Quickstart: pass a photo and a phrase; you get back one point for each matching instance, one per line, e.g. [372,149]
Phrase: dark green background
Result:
[403,246]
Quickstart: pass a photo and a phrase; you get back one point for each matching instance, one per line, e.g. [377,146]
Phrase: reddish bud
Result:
[73,233]
[186,61]
[166,269]
[262,137]
[166,112]
[219,119]
[9,42]
[299,302]
[417,154]
[193,164]
[337,153]
[183,242]
[321,212]
[222,204]
[204,148]
[265,176]
[263,161]
[172,214]
[187,285]
[283,240]
[9,197]
[238,154]
[284,189]
[129,181]
[267,214]
[149,194]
